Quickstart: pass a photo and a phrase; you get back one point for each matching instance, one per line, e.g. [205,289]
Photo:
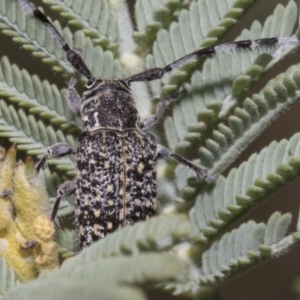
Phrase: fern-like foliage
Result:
[245,246]
[8,279]
[188,249]
[246,186]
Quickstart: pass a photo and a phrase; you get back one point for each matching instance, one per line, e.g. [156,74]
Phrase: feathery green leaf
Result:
[7,277]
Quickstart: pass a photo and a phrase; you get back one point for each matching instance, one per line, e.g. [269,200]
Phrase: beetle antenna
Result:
[73,57]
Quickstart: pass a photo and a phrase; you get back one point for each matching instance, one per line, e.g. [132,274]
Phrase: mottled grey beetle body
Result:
[116,157]
[116,164]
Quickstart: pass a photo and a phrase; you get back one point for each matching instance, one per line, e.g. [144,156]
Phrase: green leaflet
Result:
[7,277]
[75,289]
[244,247]
[40,98]
[159,234]
[67,241]
[16,124]
[164,267]
[106,272]
[95,18]
[255,115]
[24,32]
[34,38]
[251,183]
[152,15]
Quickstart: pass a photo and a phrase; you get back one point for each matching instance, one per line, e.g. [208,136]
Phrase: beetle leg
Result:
[66,189]
[57,150]
[149,121]
[163,152]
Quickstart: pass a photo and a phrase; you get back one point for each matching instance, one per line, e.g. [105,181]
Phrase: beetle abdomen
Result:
[116,181]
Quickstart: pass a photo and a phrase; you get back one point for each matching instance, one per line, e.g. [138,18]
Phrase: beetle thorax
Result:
[108,104]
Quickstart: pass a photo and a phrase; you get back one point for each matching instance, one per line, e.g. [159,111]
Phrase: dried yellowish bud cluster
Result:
[43,228]
[26,231]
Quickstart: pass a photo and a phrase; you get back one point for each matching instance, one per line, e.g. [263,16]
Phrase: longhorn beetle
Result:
[116,158]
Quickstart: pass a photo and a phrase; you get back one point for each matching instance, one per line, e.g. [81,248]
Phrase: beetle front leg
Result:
[65,190]
[202,172]
[57,150]
[147,122]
